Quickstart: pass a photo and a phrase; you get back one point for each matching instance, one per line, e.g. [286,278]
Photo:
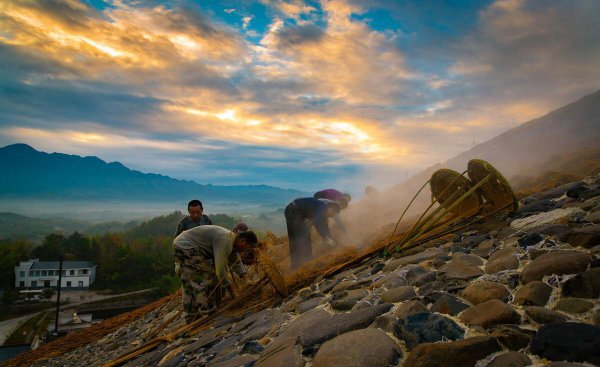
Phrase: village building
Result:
[35,274]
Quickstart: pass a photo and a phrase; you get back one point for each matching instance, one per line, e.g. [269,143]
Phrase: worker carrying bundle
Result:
[206,253]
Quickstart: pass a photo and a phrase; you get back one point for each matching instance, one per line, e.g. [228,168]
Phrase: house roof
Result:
[54,265]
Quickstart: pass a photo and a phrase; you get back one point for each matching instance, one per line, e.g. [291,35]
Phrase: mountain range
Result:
[28,173]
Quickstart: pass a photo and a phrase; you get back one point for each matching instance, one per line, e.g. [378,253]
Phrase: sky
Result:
[296,94]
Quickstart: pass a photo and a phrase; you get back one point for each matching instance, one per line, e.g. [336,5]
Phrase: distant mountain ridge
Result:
[28,173]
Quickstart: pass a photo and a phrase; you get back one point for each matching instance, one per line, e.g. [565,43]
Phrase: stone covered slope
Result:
[523,291]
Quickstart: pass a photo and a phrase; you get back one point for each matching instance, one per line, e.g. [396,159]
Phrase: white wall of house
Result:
[40,278]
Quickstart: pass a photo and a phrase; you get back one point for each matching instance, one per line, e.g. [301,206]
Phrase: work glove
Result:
[330,242]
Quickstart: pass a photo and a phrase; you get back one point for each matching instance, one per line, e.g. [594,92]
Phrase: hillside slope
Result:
[565,141]
[520,288]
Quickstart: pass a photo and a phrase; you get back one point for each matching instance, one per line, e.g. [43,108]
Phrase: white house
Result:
[44,274]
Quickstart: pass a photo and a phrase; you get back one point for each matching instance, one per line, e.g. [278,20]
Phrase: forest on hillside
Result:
[136,258]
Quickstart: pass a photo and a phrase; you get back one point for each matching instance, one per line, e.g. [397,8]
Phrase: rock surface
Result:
[535,293]
[484,291]
[490,313]
[427,327]
[365,347]
[556,262]
[458,353]
[584,285]
[410,308]
[543,315]
[568,341]
[398,294]
[510,359]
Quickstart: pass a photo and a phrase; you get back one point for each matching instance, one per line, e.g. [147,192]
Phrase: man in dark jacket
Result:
[341,198]
[194,219]
[296,215]
[334,195]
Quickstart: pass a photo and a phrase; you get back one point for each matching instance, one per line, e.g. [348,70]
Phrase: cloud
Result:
[291,8]
[293,36]
[246,21]
[527,57]
[325,89]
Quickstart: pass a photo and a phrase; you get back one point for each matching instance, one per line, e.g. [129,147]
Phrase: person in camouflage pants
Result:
[205,254]
[198,281]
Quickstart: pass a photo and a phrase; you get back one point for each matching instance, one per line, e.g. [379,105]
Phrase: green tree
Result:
[11,253]
[51,249]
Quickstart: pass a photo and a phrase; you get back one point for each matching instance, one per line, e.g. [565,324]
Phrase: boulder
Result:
[310,304]
[556,216]
[574,305]
[490,313]
[284,353]
[387,323]
[458,269]
[391,280]
[484,291]
[472,259]
[593,217]
[347,299]
[264,327]
[510,359]
[338,324]
[428,254]
[242,360]
[503,259]
[464,353]
[366,347]
[448,304]
[530,240]
[535,293]
[511,336]
[398,294]
[586,237]
[555,230]
[410,308]
[427,327]
[543,315]
[485,248]
[536,206]
[584,285]
[556,262]
[568,341]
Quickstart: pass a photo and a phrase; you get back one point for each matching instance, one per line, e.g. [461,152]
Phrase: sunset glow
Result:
[327,89]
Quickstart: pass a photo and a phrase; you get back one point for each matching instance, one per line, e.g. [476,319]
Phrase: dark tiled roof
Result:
[54,265]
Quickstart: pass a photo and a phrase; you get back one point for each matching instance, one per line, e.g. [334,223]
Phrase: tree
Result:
[47,293]
[51,249]
[11,253]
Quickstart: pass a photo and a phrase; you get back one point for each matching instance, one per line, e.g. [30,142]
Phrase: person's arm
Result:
[225,256]
[236,263]
[320,222]
[339,222]
[179,229]
[208,220]
[221,250]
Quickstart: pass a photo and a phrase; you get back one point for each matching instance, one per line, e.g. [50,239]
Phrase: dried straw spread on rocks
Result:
[516,292]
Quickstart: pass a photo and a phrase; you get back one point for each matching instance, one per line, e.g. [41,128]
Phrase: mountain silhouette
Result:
[28,173]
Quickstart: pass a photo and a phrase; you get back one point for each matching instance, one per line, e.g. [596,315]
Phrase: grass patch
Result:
[36,325]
